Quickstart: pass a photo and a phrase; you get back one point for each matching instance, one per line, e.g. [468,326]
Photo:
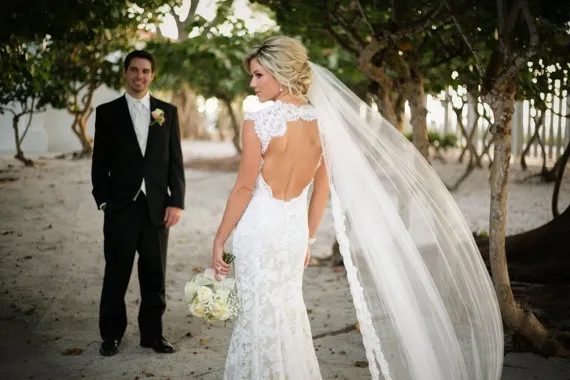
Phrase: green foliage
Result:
[496,57]
[83,67]
[429,38]
[78,37]
[210,63]
[27,85]
[417,33]
[72,20]
[437,140]
[52,54]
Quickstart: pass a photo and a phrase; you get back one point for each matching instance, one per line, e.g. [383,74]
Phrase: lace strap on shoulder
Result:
[305,113]
[260,130]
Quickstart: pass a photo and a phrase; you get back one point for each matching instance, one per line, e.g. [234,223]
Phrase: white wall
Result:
[50,131]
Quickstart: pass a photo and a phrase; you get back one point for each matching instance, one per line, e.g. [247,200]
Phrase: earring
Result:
[281,89]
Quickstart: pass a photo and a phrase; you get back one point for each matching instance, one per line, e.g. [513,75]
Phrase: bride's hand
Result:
[218,265]
[308,257]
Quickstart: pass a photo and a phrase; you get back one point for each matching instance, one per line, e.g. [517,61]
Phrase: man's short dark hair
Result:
[139,54]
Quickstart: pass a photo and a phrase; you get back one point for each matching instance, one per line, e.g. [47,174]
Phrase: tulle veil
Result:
[423,297]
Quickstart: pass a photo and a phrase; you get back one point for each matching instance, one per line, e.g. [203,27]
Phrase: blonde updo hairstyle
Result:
[286,60]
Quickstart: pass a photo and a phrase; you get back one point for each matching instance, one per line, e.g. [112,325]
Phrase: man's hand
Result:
[308,257]
[171,216]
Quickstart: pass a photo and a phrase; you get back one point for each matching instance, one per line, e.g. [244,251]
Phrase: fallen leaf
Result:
[360,364]
[72,352]
[203,342]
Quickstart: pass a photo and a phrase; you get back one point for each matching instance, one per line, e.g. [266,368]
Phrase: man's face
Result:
[138,76]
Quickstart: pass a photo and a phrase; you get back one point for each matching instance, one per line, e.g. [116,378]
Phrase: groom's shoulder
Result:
[164,105]
[109,105]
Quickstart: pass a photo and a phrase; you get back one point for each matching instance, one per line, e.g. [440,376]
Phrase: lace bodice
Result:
[272,121]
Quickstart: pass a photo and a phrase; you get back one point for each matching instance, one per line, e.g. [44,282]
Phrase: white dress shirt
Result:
[140,115]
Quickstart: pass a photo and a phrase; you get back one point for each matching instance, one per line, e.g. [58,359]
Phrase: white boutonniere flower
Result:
[158,117]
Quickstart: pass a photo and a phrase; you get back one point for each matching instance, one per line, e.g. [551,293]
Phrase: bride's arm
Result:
[243,188]
[319,199]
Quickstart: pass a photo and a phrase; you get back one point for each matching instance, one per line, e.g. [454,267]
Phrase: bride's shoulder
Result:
[262,113]
[283,112]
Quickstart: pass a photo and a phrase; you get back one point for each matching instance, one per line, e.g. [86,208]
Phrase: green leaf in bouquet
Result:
[228,257]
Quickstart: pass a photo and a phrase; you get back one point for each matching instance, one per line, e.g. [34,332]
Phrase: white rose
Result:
[196,308]
[205,295]
[219,309]
[222,292]
[190,289]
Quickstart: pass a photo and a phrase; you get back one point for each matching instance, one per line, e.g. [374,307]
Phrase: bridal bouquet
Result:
[211,299]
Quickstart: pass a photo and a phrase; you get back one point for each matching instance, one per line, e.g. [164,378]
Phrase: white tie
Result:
[138,108]
[139,124]
[141,130]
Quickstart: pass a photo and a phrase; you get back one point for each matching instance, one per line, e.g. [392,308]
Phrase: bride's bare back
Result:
[291,160]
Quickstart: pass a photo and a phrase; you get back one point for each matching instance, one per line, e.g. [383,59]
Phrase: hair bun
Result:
[286,59]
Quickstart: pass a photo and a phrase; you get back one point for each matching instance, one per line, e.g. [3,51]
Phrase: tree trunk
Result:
[559,168]
[538,121]
[413,90]
[400,111]
[79,128]
[522,322]
[235,125]
[86,140]
[192,124]
[19,152]
[386,107]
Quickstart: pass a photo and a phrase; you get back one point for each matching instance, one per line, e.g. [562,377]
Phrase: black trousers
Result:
[126,231]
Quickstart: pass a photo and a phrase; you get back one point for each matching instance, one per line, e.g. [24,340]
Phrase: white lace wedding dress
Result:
[272,336]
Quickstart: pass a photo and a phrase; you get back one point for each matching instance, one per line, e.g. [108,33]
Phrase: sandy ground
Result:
[51,265]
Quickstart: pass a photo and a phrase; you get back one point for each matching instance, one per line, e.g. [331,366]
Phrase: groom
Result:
[138,182]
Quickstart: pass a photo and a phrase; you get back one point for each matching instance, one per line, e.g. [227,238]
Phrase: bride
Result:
[423,297]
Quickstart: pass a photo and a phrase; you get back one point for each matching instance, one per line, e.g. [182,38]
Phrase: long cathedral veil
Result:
[423,297]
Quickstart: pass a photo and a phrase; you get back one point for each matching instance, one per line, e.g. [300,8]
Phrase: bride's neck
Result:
[288,98]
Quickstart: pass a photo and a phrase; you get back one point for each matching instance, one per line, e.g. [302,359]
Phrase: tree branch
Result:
[9,110]
[337,38]
[369,69]
[512,17]
[506,24]
[31,112]
[520,60]
[181,25]
[416,26]
[479,63]
[218,18]
[364,17]
[350,33]
[193,7]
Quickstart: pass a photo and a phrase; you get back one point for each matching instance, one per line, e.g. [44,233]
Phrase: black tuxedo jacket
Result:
[118,165]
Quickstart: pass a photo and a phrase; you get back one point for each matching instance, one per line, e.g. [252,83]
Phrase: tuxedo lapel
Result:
[152,129]
[128,122]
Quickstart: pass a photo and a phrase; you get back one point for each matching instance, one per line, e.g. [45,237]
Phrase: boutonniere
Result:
[158,117]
